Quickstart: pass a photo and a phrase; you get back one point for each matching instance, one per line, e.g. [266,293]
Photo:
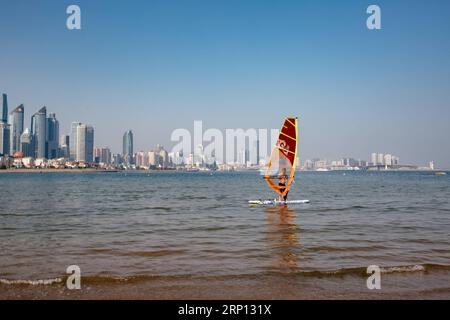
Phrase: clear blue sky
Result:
[153,66]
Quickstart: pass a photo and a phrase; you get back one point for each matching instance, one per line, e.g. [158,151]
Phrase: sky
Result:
[155,66]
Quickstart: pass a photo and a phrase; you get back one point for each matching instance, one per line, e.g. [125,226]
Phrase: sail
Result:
[283,157]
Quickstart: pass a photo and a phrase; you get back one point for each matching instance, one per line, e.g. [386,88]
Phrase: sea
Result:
[194,235]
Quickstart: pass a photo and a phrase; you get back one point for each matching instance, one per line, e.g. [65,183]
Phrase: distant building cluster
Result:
[41,145]
[379,161]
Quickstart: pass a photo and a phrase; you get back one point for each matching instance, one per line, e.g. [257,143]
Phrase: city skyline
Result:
[84,149]
[354,90]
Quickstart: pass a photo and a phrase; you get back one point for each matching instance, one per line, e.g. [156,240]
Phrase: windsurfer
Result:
[283,178]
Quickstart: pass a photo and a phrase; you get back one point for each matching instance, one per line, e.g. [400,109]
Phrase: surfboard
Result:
[275,202]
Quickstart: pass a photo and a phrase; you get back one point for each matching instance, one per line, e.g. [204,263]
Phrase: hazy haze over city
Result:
[154,66]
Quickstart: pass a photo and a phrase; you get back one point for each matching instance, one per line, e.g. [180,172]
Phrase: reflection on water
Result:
[282,238]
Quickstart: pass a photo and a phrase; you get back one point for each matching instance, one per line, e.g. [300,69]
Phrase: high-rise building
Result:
[254,156]
[16,128]
[116,159]
[127,150]
[4,138]
[380,158]
[27,143]
[64,146]
[142,159]
[4,110]
[52,136]
[80,139]
[85,143]
[153,158]
[73,140]
[374,159]
[163,158]
[89,144]
[102,155]
[39,131]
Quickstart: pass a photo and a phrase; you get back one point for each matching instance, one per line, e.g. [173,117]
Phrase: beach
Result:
[179,235]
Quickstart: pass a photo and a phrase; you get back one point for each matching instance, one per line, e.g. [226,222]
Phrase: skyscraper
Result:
[128,147]
[73,140]
[374,159]
[4,113]
[89,144]
[4,138]
[4,128]
[380,158]
[16,128]
[64,146]
[39,131]
[84,143]
[52,136]
[102,155]
[27,143]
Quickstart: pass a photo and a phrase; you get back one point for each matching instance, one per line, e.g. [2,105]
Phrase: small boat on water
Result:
[440,173]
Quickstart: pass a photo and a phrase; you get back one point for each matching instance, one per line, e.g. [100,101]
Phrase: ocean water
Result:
[144,225]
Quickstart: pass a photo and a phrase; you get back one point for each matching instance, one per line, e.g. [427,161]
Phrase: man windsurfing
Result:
[283,179]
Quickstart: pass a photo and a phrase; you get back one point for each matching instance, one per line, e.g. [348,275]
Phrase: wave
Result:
[103,279]
[31,282]
[386,270]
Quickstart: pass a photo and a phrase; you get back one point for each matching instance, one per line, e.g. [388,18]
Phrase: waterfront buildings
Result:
[102,155]
[16,122]
[64,146]
[4,138]
[127,147]
[52,135]
[73,140]
[4,111]
[27,143]
[84,143]
[39,131]
[4,128]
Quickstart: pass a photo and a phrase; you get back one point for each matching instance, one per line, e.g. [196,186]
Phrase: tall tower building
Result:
[84,143]
[16,119]
[89,144]
[127,150]
[380,158]
[27,143]
[4,138]
[39,131]
[374,159]
[52,136]
[4,127]
[73,140]
[64,146]
[4,110]
[102,155]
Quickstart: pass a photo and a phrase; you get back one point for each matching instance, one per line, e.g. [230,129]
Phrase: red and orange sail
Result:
[283,158]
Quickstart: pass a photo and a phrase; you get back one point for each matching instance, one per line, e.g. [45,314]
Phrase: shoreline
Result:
[88,170]
[94,170]
[275,287]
